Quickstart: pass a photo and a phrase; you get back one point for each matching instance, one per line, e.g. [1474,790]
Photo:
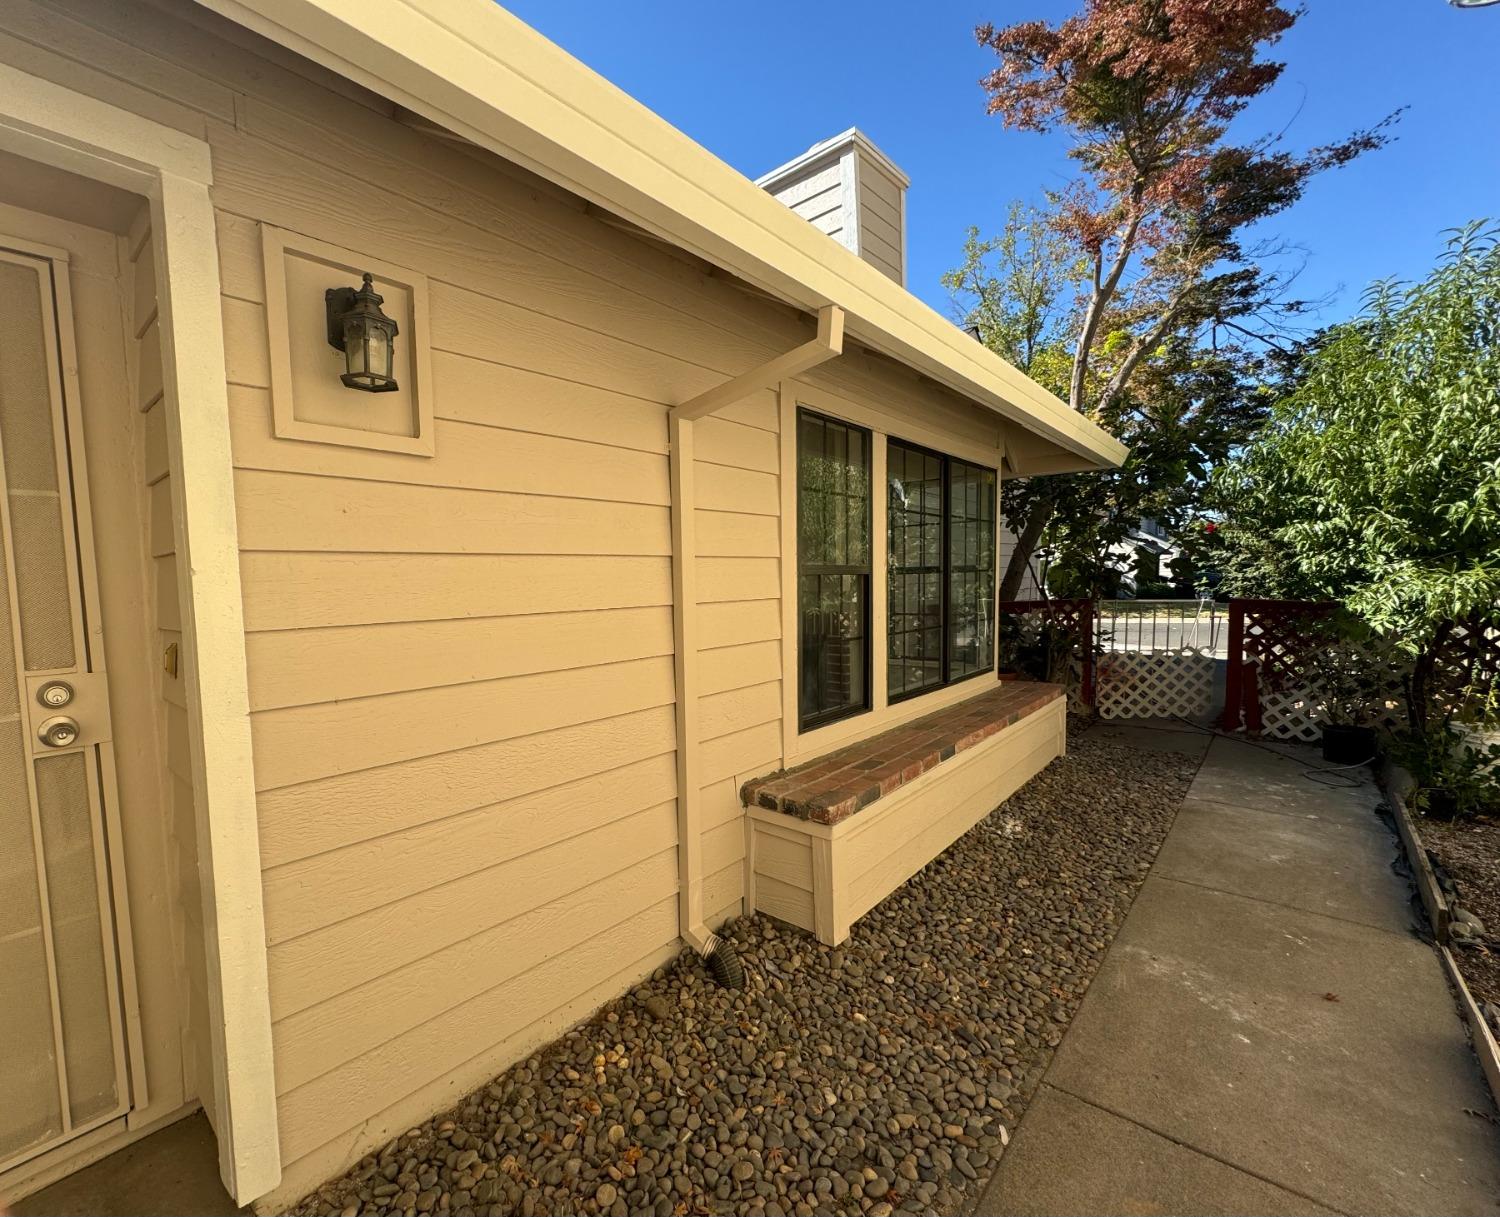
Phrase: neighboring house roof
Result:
[482,73]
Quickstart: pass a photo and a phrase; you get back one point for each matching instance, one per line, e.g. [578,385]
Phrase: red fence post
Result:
[1229,720]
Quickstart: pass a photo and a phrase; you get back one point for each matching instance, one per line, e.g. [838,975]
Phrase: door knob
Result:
[58,732]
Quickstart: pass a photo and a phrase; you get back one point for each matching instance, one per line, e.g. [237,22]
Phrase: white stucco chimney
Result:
[850,189]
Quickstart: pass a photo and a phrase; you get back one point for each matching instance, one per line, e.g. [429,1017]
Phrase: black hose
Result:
[1344,780]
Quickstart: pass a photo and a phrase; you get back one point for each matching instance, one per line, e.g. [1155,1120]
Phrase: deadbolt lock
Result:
[55,694]
[59,732]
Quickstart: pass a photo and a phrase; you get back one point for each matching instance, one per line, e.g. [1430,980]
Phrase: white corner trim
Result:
[903,238]
[47,122]
[853,220]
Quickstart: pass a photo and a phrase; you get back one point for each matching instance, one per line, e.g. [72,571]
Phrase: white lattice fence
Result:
[1294,714]
[1299,711]
[1155,684]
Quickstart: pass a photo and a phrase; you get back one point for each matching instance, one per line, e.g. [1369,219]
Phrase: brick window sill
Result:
[832,788]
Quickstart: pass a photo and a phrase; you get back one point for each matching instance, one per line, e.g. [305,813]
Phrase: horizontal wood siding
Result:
[739,672]
[460,667]
[880,220]
[821,193]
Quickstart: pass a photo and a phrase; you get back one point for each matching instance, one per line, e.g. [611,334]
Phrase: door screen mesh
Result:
[31,1112]
[26,424]
[62,794]
[60,1023]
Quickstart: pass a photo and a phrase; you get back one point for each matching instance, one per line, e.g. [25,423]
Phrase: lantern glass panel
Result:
[355,354]
[378,351]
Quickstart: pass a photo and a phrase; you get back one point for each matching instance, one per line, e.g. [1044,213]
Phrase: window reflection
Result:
[941,579]
[833,568]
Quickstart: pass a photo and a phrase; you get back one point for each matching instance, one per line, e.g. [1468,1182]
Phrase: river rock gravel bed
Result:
[879,1077]
[1469,850]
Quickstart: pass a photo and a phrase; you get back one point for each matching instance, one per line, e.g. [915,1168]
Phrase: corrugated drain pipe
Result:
[722,962]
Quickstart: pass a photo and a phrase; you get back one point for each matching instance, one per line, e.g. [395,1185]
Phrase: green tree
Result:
[1186,409]
[1377,480]
[1147,90]
[1017,290]
[1190,408]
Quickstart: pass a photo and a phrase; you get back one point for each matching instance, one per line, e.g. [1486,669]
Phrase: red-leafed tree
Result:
[1148,89]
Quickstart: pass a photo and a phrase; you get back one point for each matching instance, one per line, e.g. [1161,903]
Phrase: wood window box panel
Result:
[830,839]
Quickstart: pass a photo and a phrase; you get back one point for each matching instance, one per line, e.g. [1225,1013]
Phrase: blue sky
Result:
[757,84]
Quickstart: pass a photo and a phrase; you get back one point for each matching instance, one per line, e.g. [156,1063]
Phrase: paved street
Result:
[1128,632]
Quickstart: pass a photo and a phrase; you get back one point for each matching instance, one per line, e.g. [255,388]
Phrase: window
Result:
[971,569]
[833,569]
[916,570]
[942,569]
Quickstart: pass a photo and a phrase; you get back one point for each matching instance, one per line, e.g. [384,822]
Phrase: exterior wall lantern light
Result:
[366,335]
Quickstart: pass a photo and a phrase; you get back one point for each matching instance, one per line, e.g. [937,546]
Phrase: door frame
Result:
[48,122]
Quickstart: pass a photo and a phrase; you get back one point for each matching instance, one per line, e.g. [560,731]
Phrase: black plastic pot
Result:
[1344,745]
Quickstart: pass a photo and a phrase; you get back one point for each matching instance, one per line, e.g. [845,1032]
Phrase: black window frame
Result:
[821,718]
[945,570]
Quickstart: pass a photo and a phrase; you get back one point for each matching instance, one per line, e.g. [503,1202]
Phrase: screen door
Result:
[62,1032]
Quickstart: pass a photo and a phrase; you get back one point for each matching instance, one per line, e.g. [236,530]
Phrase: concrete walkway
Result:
[1266,1034]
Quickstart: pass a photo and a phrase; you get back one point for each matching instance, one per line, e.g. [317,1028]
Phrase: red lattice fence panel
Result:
[1268,647]
[1076,619]
[1278,647]
[1467,664]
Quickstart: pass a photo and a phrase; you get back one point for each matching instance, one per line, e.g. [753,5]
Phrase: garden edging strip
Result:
[1485,1046]
[1398,784]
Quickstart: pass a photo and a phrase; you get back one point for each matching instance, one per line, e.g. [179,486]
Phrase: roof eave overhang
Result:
[479,71]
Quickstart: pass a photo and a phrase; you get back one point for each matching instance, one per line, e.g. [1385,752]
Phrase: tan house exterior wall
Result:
[460,666]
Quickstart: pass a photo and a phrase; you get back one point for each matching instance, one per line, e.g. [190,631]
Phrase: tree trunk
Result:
[1030,537]
[1105,286]
[1419,689]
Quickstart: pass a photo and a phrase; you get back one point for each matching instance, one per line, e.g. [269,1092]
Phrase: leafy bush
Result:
[1036,648]
[1454,777]
[1377,480]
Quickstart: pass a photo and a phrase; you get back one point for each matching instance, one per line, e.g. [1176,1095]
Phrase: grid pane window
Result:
[915,488]
[941,587]
[971,569]
[833,568]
